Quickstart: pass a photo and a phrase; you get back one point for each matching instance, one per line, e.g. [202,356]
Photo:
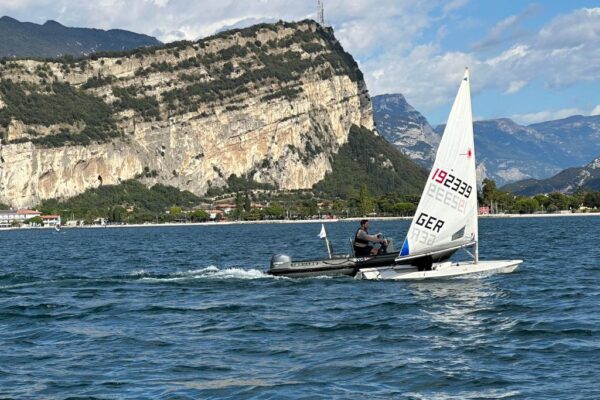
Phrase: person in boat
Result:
[362,241]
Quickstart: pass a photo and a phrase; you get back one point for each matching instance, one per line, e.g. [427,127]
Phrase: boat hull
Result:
[441,270]
[348,266]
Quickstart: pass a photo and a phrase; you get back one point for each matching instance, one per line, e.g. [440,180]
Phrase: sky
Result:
[529,61]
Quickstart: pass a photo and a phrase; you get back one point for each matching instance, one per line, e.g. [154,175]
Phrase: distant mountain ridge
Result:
[406,128]
[577,137]
[567,181]
[27,39]
[506,151]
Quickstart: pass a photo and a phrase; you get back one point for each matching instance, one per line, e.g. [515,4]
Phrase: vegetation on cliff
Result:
[57,103]
[112,202]
[368,160]
[237,84]
[237,184]
[212,72]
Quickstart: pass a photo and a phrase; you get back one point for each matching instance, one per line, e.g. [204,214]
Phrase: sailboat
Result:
[446,217]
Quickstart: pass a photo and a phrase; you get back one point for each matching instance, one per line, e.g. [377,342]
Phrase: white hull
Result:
[441,270]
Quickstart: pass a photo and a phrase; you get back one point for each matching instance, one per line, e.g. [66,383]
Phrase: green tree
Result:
[560,200]
[35,221]
[199,216]
[309,207]
[489,191]
[592,200]
[118,214]
[175,211]
[527,205]
[247,203]
[275,211]
[543,200]
[404,209]
[365,202]
[339,206]
[255,215]
[239,206]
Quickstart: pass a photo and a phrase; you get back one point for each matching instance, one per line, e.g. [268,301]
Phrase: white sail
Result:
[447,213]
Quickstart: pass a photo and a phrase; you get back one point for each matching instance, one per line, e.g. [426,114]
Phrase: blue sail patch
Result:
[405,250]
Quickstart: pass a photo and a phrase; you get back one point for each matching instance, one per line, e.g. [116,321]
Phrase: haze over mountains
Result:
[26,39]
[506,151]
[567,181]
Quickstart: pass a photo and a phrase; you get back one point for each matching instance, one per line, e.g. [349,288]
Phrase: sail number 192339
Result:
[452,182]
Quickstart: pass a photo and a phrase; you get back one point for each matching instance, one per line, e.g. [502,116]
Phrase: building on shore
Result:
[10,217]
[51,220]
[215,215]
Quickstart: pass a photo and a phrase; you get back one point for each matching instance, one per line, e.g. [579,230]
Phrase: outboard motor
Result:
[281,261]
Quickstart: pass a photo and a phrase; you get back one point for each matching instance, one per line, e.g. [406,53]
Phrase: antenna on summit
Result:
[320,13]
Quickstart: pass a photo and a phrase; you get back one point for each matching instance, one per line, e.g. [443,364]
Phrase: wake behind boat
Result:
[447,215]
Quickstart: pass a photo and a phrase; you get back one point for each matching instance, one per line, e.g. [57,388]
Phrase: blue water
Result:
[186,312]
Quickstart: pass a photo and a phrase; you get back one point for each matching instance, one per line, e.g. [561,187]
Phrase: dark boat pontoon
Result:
[348,264]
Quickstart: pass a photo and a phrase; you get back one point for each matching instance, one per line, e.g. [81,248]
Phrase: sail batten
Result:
[447,212]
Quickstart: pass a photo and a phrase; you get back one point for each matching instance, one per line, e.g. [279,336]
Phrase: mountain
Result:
[506,151]
[567,181]
[509,152]
[26,39]
[577,137]
[369,160]
[403,126]
[267,106]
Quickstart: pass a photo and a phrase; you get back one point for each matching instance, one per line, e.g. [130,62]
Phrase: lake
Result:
[188,312]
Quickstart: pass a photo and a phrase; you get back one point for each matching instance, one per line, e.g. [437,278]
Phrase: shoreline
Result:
[308,221]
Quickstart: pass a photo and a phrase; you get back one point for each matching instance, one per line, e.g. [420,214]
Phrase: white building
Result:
[8,217]
[51,220]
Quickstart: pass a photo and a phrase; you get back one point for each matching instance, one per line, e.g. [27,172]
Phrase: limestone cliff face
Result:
[271,103]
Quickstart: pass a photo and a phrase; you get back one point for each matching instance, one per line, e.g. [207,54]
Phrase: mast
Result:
[474,168]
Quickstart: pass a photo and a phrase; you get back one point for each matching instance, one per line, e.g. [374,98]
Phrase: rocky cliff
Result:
[270,103]
[406,128]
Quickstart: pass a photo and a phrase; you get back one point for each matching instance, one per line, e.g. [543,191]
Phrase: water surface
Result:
[187,312]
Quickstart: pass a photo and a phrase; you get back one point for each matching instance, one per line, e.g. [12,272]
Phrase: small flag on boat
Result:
[323,233]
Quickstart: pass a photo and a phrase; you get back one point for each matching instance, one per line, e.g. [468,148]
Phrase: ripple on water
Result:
[164,312]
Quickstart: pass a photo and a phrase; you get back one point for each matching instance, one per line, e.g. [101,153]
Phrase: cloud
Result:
[400,44]
[455,5]
[563,52]
[515,86]
[509,28]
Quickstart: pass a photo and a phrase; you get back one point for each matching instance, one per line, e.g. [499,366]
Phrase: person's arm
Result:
[371,238]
